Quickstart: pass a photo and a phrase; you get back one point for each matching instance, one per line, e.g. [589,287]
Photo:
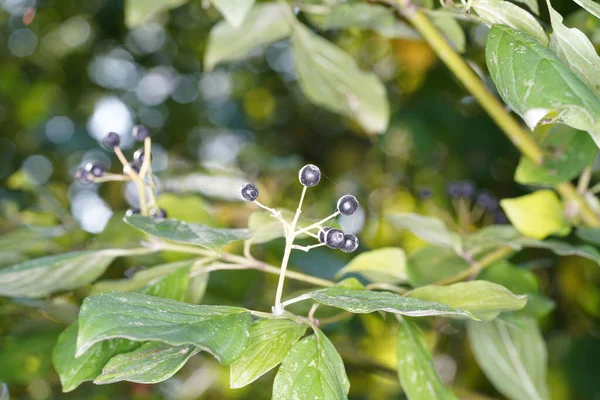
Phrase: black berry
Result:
[463,189]
[322,233]
[249,191]
[140,132]
[487,201]
[131,167]
[82,176]
[309,175]
[334,238]
[132,211]
[158,213]
[350,243]
[111,140]
[95,169]
[347,205]
[138,157]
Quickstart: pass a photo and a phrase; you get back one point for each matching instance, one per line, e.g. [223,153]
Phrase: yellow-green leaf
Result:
[381,265]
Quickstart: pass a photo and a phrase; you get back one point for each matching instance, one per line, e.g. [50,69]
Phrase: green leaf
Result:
[179,231]
[590,235]
[591,6]
[382,265]
[575,50]
[269,342]
[365,302]
[197,288]
[234,11]
[265,228]
[4,393]
[485,300]
[517,280]
[139,11]
[432,263]
[537,85]
[451,29]
[537,215]
[502,12]
[532,4]
[264,24]
[363,16]
[330,78]
[312,369]
[416,372]
[512,356]
[43,276]
[220,330]
[567,152]
[428,229]
[153,362]
[74,371]
[172,286]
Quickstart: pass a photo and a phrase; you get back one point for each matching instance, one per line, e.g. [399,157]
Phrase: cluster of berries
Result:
[309,176]
[468,190]
[132,170]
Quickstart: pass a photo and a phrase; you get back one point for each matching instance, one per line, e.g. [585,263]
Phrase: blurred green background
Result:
[70,71]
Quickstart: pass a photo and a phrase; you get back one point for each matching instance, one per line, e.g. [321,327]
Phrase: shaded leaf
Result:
[220,330]
[4,393]
[502,12]
[537,85]
[590,235]
[380,265]
[312,369]
[432,263]
[416,372]
[182,232]
[172,286]
[512,356]
[139,11]
[153,362]
[269,342]
[532,4]
[264,24]
[330,78]
[451,30]
[485,300]
[365,301]
[568,152]
[537,215]
[428,229]
[234,11]
[74,371]
[43,276]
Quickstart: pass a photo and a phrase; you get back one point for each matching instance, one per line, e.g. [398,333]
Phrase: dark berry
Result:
[158,213]
[138,157]
[350,243]
[425,193]
[334,238]
[500,218]
[95,169]
[347,205]
[322,233]
[140,132]
[132,211]
[453,190]
[249,191]
[467,189]
[131,167]
[487,201]
[309,175]
[111,140]
[82,176]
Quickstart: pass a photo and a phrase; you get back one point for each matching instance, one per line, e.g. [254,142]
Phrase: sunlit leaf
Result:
[503,12]
[74,371]
[380,265]
[416,372]
[182,232]
[264,24]
[269,342]
[330,78]
[365,301]
[221,330]
[483,299]
[512,356]
[428,229]
[575,50]
[537,85]
[432,263]
[153,362]
[139,11]
[537,215]
[532,4]
[4,393]
[234,11]
[568,152]
[591,6]
[43,276]
[312,369]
